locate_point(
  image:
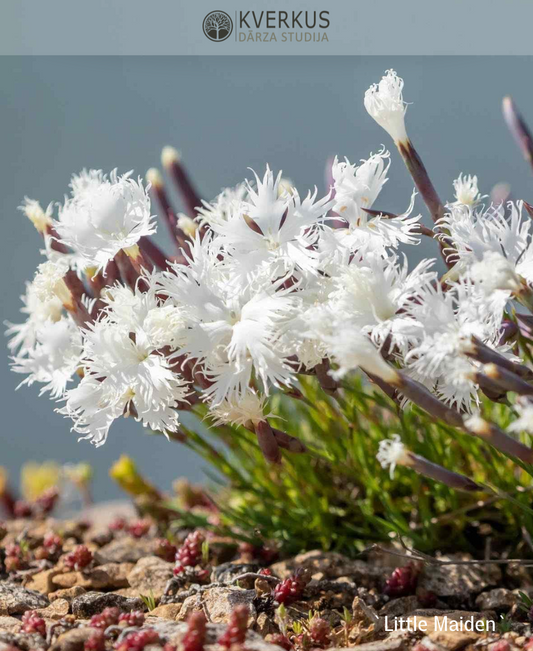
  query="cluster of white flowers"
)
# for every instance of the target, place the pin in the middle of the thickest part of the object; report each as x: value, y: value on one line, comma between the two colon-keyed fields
x: 270, y: 284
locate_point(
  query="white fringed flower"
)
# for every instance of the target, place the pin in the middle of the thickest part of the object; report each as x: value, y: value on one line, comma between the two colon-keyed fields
x: 494, y: 272
x: 356, y: 189
x: 358, y: 301
x: 247, y: 410
x: 104, y: 215
x: 54, y: 357
x: 466, y: 190
x: 372, y: 295
x: 384, y: 102
x: 87, y: 181
x: 236, y: 329
x: 272, y: 228
x: 392, y: 452
x: 498, y: 230
x: 161, y: 324
x: 449, y: 320
x: 350, y: 349
x: 224, y: 205
x: 49, y: 282
x: 38, y: 311
x: 123, y: 375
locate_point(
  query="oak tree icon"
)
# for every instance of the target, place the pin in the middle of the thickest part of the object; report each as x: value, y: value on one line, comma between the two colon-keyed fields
x: 217, y: 26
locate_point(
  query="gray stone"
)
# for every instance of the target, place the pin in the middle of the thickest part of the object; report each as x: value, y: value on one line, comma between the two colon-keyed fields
x: 72, y: 640
x: 330, y: 566
x: 390, y: 644
x: 124, y: 550
x: 56, y: 610
x: 91, y: 603
x: 110, y: 576
x: 10, y: 624
x: 23, y: 641
x: 219, y: 603
x: 15, y: 600
x: 227, y: 572
x: 173, y: 632
x: 499, y: 599
x: 69, y: 593
x: 458, y: 582
x: 151, y: 574
x: 399, y: 607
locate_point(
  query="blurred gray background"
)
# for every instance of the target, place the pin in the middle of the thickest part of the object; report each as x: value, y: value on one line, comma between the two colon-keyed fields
x: 225, y: 114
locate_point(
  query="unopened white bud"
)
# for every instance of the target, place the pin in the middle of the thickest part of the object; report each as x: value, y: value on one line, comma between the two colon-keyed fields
x: 153, y: 176
x: 476, y: 425
x: 169, y: 156
x: 40, y: 218
x: 384, y: 102
x: 286, y: 186
x: 187, y: 225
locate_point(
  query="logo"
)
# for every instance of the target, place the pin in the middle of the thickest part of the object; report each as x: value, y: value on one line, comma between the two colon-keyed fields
x: 217, y: 26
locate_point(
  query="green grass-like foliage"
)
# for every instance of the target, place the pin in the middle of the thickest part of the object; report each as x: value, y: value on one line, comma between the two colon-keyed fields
x: 337, y: 496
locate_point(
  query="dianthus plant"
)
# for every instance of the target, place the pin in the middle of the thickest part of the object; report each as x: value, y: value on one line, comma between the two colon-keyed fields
x: 266, y: 287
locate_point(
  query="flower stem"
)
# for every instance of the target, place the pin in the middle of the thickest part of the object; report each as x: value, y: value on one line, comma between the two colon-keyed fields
x: 518, y: 128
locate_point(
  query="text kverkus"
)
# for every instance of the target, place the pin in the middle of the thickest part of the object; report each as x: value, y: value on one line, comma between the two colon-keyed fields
x: 265, y: 26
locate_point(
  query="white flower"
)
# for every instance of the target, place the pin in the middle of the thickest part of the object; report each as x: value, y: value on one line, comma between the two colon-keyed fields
x: 124, y: 374
x: 165, y: 326
x: 466, y: 190
x: 362, y: 297
x: 224, y: 205
x: 524, y: 422
x: 372, y: 295
x: 474, y: 233
x: 103, y: 216
x: 272, y: 229
x: 384, y: 102
x: 312, y: 298
x: 87, y: 181
x: 54, y: 357
x: 49, y: 283
x: 349, y: 348
x: 357, y: 188
x: 235, y: 329
x: 38, y: 311
x: 392, y: 452
x: 494, y: 272
x: 246, y: 410
x: 159, y: 323
x: 450, y: 319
